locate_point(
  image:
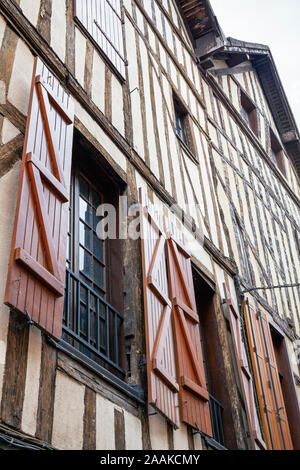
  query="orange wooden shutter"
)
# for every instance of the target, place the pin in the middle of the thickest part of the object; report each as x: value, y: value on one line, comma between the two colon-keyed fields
x: 36, y: 274
x: 193, y: 394
x: 102, y: 20
x: 161, y: 368
x: 244, y: 373
x: 272, y: 407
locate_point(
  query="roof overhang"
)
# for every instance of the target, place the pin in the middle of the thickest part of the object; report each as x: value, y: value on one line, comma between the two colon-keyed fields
x: 211, y: 43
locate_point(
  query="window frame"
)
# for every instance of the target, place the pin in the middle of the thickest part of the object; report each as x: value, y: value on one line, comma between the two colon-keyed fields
x: 249, y: 109
x: 277, y: 153
x: 185, y: 137
x: 80, y: 329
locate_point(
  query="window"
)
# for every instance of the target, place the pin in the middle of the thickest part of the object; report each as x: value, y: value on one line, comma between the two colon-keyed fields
x: 248, y: 111
x: 212, y: 357
x: 218, y: 112
x: 92, y: 321
x: 183, y: 127
x: 277, y: 154
x: 102, y: 21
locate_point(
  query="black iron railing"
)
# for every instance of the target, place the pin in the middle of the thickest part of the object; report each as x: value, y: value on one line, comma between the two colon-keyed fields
x: 216, y: 412
x: 91, y: 324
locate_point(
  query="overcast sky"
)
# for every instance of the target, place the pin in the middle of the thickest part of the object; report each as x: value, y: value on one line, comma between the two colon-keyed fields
x: 275, y: 23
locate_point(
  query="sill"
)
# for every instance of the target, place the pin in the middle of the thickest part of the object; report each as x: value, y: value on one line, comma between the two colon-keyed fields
x: 188, y: 150
x: 132, y: 391
x: 210, y: 441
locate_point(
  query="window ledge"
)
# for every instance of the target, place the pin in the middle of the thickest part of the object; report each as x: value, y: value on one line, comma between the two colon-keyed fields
x: 210, y: 441
x: 132, y: 391
x: 187, y: 149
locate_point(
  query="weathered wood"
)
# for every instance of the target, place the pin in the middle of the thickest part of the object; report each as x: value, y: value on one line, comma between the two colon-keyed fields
x: 46, y: 392
x: 119, y: 423
x: 89, y: 420
x: 15, y: 371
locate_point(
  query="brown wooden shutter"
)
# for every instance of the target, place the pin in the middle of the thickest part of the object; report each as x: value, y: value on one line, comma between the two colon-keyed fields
x: 36, y: 274
x: 102, y: 20
x: 161, y: 368
x: 193, y: 394
x: 272, y: 407
x: 244, y: 373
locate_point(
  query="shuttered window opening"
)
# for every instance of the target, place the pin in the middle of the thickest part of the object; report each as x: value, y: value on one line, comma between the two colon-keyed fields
x: 36, y: 273
x: 271, y: 403
x: 92, y: 321
x: 102, y: 20
x: 174, y: 357
x: 245, y: 377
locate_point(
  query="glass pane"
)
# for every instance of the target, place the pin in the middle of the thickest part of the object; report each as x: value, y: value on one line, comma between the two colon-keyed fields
x: 84, y: 211
x: 84, y: 188
x: 83, y: 320
x: 96, y: 199
x: 85, y: 236
x: 96, y: 219
x: 84, y: 262
x: 97, y: 247
x: 98, y: 277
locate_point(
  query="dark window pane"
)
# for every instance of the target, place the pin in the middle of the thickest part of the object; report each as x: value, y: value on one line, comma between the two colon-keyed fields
x: 98, y: 277
x: 83, y: 320
x: 96, y: 199
x: 84, y: 262
x: 84, y: 188
x: 97, y: 247
x: 85, y: 236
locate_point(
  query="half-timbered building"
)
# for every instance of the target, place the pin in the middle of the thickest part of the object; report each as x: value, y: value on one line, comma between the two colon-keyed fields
x: 187, y: 337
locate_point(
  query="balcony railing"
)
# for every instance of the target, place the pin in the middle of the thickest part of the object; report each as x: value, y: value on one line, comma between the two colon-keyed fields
x: 91, y: 324
x: 216, y: 412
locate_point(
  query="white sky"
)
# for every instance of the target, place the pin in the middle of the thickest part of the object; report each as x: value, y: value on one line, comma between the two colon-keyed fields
x: 275, y: 23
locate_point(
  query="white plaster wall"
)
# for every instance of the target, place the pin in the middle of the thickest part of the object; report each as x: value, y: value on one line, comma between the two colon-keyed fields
x: 30, y: 405
x: 100, y: 135
x: 105, y: 431
x: 30, y: 9
x: 158, y: 432
x: 9, y: 131
x: 133, y: 432
x: 20, y: 82
x: 80, y: 52
x: 58, y: 28
x: 68, y: 413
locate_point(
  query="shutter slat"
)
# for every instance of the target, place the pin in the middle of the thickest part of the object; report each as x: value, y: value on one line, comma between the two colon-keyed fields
x: 36, y: 274
x: 163, y: 386
x: 273, y: 412
x: 245, y: 377
x: 193, y: 394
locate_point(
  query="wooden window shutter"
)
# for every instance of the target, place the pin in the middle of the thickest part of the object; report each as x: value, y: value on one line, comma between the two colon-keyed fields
x: 272, y: 407
x: 102, y: 20
x: 245, y: 376
x: 161, y: 367
x: 193, y: 394
x: 36, y: 273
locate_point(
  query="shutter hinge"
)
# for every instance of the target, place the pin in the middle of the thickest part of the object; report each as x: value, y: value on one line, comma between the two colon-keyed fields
x: 28, y: 317
x: 28, y: 321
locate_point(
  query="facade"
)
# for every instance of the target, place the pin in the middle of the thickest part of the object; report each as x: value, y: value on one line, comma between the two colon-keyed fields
x: 144, y: 108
